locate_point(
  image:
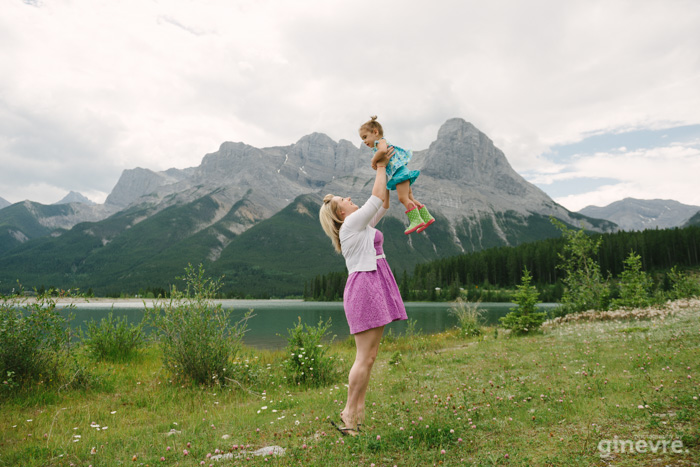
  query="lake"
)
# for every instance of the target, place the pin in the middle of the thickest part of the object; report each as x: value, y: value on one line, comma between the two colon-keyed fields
x: 267, y: 329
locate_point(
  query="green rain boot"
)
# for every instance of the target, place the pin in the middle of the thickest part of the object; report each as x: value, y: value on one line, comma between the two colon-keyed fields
x: 414, y: 219
x: 426, y: 217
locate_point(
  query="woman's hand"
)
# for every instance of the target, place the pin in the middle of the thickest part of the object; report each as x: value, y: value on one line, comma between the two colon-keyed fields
x: 382, y: 159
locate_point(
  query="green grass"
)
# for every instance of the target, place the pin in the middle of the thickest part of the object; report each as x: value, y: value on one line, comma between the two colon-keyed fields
x: 545, y: 399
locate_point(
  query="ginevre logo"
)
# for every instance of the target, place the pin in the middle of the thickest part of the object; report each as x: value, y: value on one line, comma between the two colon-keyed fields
x: 641, y: 446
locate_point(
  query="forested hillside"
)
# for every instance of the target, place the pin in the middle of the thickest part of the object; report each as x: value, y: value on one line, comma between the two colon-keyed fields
x: 503, y: 266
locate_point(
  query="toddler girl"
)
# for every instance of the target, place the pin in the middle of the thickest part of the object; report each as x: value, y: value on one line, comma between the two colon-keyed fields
x: 398, y: 176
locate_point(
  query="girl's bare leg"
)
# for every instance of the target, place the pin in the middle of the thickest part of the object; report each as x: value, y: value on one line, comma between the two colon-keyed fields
x: 410, y: 197
x: 403, y: 189
x: 367, y: 345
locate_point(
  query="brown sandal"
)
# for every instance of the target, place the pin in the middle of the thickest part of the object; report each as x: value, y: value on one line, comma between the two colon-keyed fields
x: 359, y: 425
x: 345, y: 431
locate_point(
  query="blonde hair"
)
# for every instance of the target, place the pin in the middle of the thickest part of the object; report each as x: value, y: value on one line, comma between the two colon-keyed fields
x: 372, y: 124
x: 330, y: 222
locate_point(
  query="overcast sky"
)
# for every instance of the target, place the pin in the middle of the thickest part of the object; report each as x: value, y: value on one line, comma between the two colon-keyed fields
x: 593, y: 101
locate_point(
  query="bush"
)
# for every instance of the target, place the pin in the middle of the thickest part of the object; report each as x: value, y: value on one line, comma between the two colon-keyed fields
x: 682, y: 285
x: 196, y: 336
x: 34, y: 339
x: 525, y: 318
x: 585, y: 288
x: 469, y: 317
x: 113, y: 339
x: 308, y: 363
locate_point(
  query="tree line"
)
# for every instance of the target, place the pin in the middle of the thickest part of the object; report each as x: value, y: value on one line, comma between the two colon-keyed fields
x: 493, y: 274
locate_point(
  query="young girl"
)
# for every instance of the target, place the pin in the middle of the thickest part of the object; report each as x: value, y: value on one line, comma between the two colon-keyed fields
x: 398, y: 176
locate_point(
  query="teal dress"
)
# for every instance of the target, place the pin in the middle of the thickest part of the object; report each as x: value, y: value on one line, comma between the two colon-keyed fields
x: 396, y: 169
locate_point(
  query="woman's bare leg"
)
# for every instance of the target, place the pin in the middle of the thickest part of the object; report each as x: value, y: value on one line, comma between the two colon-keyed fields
x: 367, y: 346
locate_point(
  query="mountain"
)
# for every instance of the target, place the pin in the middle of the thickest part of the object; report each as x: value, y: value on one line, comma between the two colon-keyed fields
x: 27, y: 220
x: 75, y: 197
x: 252, y: 215
x: 695, y: 220
x: 4, y: 203
x: 641, y: 214
x: 139, y: 182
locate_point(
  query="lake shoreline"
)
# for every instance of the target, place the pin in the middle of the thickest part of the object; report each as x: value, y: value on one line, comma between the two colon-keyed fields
x: 101, y: 302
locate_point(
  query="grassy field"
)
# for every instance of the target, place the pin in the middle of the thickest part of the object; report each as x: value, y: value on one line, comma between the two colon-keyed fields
x: 624, y: 392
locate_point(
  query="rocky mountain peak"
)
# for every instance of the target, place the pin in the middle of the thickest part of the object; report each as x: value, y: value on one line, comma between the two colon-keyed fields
x: 458, y: 129
x: 75, y: 197
x: 316, y: 139
x: 135, y: 183
x: 229, y: 158
x: 462, y: 152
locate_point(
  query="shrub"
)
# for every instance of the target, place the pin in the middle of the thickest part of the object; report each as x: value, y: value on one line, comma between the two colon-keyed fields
x: 308, y: 364
x: 585, y: 288
x: 197, y: 338
x: 34, y: 339
x: 682, y: 285
x: 525, y: 318
x: 113, y: 339
x: 635, y: 284
x: 469, y: 317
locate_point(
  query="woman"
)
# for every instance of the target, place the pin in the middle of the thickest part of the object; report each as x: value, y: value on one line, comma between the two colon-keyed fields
x: 371, y: 298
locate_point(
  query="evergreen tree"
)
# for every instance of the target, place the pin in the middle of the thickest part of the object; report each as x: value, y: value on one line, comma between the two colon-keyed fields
x: 635, y: 284
x: 524, y: 318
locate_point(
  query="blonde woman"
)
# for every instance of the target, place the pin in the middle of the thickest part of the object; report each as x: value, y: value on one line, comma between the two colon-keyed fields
x: 371, y: 298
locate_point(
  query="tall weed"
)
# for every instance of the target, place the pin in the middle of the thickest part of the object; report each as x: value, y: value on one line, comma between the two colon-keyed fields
x: 412, y: 329
x: 198, y: 341
x: 308, y: 363
x: 469, y: 317
x: 113, y: 339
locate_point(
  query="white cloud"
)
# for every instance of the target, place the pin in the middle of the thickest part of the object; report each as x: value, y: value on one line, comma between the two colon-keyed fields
x: 655, y: 173
x: 95, y: 86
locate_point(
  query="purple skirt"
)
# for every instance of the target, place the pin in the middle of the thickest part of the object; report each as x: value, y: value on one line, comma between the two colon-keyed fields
x: 371, y: 298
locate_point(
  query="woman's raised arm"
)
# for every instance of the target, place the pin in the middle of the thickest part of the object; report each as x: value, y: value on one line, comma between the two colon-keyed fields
x: 379, y: 188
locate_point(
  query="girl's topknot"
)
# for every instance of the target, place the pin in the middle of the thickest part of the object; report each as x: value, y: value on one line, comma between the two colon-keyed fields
x: 373, y: 124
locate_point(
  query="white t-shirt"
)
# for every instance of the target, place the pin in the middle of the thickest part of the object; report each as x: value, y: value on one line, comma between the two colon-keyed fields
x: 357, y: 236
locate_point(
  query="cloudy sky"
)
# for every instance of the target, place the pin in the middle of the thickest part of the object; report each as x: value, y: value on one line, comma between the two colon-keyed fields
x: 591, y: 100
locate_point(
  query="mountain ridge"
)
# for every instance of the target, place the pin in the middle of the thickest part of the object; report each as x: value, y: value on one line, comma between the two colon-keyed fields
x: 154, y: 223
x: 640, y: 214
